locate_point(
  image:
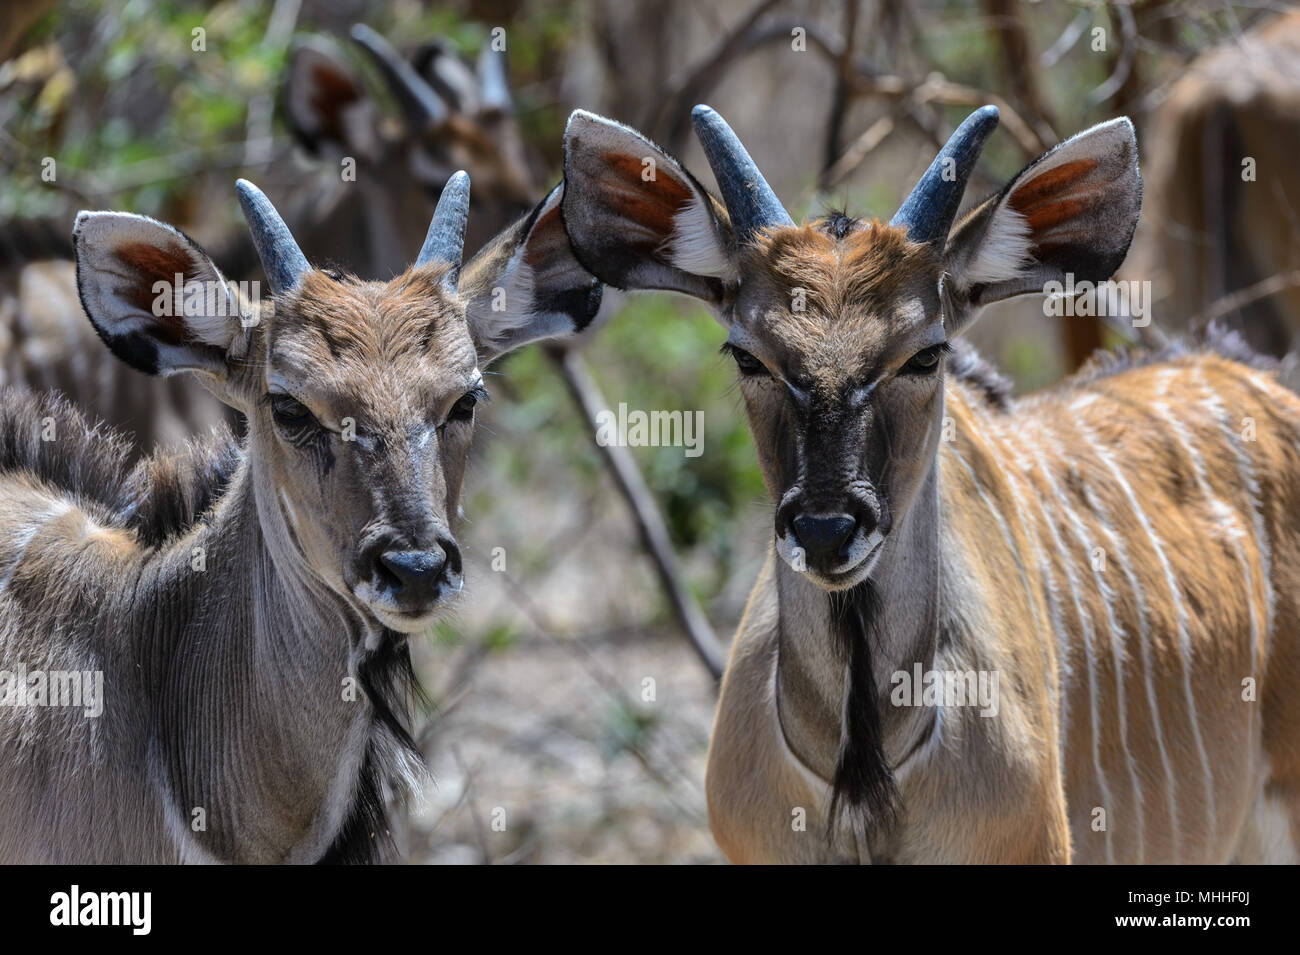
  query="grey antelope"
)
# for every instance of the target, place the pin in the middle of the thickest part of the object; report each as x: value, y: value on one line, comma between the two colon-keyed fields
x: 1119, y: 553
x: 247, y: 607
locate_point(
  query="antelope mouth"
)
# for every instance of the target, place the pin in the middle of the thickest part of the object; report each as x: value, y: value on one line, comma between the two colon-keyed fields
x: 860, y: 557
x: 408, y: 619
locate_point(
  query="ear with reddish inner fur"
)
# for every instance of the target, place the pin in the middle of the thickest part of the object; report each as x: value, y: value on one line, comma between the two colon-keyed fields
x: 126, y: 276
x: 1072, y: 210
x: 526, y: 285
x: 328, y: 108
x: 637, y: 219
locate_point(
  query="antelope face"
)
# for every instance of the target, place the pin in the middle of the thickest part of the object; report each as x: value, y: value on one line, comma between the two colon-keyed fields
x: 839, y: 328
x: 363, y: 427
x: 839, y: 347
x: 359, y: 395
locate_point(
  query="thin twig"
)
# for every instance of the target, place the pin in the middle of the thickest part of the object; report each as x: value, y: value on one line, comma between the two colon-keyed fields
x: 1127, y: 54
x: 670, y: 122
x: 654, y: 533
x: 1248, y: 295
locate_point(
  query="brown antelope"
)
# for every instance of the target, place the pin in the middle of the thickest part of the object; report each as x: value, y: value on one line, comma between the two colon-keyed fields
x: 1117, y: 556
x: 453, y: 117
x: 228, y: 637
x: 1223, y: 198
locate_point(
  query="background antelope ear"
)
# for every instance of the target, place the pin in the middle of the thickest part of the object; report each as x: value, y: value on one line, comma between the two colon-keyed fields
x: 127, y: 268
x: 327, y: 107
x: 1072, y: 210
x: 526, y: 285
x: 438, y: 63
x: 637, y: 219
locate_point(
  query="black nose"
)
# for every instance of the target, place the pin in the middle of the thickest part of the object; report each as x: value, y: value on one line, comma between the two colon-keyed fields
x: 414, y: 573
x: 824, y: 536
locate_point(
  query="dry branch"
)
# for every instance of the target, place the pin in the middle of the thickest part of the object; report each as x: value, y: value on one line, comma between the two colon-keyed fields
x: 650, y: 524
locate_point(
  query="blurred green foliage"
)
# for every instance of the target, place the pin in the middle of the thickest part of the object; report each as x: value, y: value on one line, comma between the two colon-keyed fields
x: 133, y: 114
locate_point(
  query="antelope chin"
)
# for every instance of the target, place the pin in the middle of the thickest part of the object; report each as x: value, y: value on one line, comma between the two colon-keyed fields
x: 407, y: 621
x: 863, y: 554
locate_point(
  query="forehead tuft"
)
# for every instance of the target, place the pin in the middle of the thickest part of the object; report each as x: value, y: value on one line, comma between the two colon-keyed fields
x: 345, y: 334
x: 368, y: 320
x: 843, y: 263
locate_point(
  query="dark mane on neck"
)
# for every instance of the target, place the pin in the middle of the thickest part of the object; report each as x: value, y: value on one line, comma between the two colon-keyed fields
x: 1218, y: 338
x: 390, y: 682
x: 864, y: 782
x: 967, y: 365
x: 162, y: 496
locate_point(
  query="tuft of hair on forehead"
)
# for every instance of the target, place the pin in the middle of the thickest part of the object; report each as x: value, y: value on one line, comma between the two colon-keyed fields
x: 842, y: 261
x: 365, y: 320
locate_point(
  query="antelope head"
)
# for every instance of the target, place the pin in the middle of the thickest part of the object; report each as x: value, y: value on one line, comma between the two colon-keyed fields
x: 839, y: 327
x: 360, y: 396
x: 453, y: 116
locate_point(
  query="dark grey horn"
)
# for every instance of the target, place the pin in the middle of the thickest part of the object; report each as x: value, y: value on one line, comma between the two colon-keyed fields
x: 446, y: 237
x: 282, y: 260
x: 421, y: 103
x: 929, y: 210
x: 750, y: 201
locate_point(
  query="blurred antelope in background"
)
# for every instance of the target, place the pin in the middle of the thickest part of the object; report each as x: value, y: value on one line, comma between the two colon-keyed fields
x: 1222, y: 234
x: 232, y: 607
x: 452, y: 117
x: 1118, y: 552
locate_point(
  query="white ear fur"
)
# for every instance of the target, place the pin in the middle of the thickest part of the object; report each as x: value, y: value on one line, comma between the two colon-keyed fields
x: 526, y: 285
x: 694, y: 245
x: 1004, y: 253
x: 126, y: 275
x: 1074, y: 209
x: 636, y: 218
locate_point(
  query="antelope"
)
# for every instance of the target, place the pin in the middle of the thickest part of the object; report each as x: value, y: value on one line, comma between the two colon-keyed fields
x: 248, y: 607
x: 1117, y: 553
x: 452, y: 117
x: 1224, y: 204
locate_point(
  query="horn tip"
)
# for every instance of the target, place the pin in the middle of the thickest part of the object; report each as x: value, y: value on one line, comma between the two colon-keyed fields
x: 361, y: 33
x: 986, y: 117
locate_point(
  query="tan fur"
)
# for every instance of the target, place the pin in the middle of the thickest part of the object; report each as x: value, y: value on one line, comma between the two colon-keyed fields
x: 973, y: 793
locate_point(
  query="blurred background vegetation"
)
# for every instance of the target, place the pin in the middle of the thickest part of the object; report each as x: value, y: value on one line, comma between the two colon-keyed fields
x: 539, y: 678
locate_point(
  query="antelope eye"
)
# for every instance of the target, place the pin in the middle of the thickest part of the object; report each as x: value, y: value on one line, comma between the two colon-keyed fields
x: 463, y: 409
x: 745, y: 362
x: 926, y: 360
x: 287, y: 410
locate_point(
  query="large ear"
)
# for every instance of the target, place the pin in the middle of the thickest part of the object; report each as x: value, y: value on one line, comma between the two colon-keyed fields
x: 327, y: 107
x: 637, y: 219
x: 1072, y: 210
x: 127, y: 269
x: 526, y: 284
